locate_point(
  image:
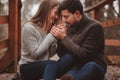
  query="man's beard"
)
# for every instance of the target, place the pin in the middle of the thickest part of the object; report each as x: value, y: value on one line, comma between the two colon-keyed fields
x: 75, y: 24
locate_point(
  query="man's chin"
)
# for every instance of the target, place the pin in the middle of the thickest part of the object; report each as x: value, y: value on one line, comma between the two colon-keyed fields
x: 68, y: 25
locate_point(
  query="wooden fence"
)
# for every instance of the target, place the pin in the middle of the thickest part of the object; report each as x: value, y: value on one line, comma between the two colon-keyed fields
x: 9, y: 61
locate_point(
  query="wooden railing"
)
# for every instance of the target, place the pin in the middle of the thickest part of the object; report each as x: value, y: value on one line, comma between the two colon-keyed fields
x: 109, y: 23
x: 3, y: 44
x: 112, y: 22
x: 3, y: 19
x: 110, y: 42
x: 9, y: 61
x: 95, y: 8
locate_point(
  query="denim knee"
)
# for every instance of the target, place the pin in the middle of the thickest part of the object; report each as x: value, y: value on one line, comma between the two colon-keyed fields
x: 52, y: 65
x: 67, y: 57
x: 89, y: 71
x: 95, y: 66
x: 97, y: 70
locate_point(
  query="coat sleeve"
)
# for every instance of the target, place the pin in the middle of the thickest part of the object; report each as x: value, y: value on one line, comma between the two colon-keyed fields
x: 93, y: 40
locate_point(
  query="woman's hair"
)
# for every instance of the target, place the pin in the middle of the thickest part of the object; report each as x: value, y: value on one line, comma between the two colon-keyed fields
x: 42, y: 17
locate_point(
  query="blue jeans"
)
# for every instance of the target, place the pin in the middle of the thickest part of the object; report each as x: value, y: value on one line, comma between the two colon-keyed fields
x: 33, y: 71
x: 57, y: 69
x: 90, y: 71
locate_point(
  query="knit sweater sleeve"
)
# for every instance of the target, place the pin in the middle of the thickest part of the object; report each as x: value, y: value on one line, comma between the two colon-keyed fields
x: 34, y: 43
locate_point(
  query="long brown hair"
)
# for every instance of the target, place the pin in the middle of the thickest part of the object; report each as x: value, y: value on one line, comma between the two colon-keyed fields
x: 42, y: 18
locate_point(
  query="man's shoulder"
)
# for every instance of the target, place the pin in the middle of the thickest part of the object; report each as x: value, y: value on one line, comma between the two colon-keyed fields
x: 94, y: 22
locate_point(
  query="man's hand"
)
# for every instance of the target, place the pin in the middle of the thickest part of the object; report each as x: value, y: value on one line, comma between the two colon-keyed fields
x: 59, y: 31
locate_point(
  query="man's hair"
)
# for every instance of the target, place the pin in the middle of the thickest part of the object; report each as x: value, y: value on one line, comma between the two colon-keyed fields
x: 71, y: 6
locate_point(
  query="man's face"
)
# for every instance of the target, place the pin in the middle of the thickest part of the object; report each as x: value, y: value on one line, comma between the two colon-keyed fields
x: 68, y: 17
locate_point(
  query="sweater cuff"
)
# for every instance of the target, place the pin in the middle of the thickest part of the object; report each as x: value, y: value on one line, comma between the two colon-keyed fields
x: 51, y: 37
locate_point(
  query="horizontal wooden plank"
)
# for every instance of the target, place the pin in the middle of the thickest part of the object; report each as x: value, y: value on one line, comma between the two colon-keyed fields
x: 111, y: 23
x: 112, y: 50
x: 5, y: 61
x: 112, y: 42
x: 3, y: 19
x: 117, y: 21
x: 100, y: 4
x: 3, y: 44
x: 113, y: 59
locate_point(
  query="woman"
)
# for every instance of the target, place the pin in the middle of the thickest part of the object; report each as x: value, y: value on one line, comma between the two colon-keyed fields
x: 38, y: 44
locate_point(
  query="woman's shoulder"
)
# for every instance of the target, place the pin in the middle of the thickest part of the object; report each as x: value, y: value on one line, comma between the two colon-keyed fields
x: 29, y: 26
x: 32, y: 27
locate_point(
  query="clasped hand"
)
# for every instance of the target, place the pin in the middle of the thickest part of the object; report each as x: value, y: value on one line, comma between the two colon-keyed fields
x: 59, y: 31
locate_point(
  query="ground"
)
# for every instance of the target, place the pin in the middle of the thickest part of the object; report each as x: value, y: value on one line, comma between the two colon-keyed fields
x: 113, y: 70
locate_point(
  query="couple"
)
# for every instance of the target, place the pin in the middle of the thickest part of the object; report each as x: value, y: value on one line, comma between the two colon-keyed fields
x: 79, y: 44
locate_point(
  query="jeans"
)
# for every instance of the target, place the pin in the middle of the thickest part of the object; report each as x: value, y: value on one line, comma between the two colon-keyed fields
x: 90, y: 71
x: 57, y: 69
x: 33, y: 71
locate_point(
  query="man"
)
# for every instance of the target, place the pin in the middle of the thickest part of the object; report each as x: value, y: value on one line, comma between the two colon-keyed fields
x: 84, y: 40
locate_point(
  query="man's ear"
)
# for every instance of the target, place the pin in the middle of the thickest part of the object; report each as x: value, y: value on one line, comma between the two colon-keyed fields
x: 77, y: 13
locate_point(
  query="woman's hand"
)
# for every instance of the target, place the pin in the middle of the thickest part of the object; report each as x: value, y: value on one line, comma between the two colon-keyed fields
x: 59, y: 31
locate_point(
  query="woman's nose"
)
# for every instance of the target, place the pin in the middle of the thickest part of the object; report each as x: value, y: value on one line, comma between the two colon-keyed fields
x: 56, y: 16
